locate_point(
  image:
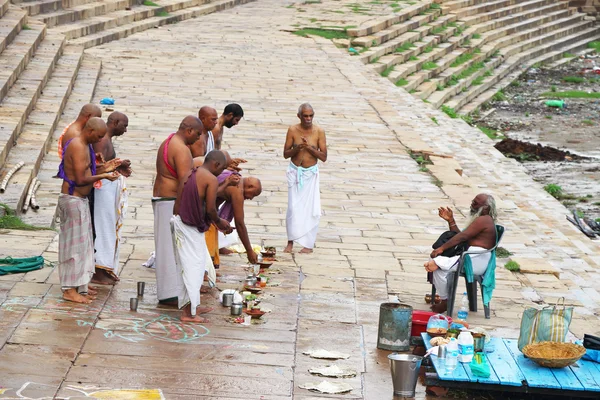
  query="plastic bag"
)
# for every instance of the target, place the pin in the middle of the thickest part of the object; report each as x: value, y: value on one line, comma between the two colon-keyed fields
x: 479, y: 366
x: 438, y: 321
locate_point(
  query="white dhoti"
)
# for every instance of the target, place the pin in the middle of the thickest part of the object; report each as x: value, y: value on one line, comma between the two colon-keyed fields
x: 75, y: 243
x: 110, y: 207
x: 193, y: 259
x: 449, y: 264
x: 304, y: 205
x: 228, y: 240
x: 168, y: 281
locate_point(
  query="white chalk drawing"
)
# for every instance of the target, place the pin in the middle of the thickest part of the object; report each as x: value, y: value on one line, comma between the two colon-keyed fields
x: 93, y: 392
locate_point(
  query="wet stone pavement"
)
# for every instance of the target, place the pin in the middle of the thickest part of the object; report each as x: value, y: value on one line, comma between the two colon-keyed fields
x: 379, y: 220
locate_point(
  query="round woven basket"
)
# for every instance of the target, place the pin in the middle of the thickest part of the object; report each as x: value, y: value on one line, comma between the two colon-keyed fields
x: 554, y: 354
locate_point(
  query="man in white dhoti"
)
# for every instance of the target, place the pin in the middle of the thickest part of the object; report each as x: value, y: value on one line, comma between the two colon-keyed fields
x: 480, y: 235
x: 173, y: 162
x: 195, y: 210
x: 75, y: 241
x: 110, y: 205
x: 305, y: 144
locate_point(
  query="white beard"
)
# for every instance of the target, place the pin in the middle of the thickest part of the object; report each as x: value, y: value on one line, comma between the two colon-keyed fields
x: 473, y: 216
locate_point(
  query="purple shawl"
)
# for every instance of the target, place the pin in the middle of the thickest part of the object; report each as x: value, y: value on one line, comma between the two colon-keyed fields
x: 226, y: 210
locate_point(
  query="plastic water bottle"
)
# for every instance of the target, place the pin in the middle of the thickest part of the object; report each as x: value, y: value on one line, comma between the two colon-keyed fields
x: 451, y: 355
x: 465, y: 347
x: 463, y: 313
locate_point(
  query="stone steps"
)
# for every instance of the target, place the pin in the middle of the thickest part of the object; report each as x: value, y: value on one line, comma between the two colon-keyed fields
x: 47, y: 6
x: 394, y: 31
x: 115, y: 19
x: 546, y: 57
x: 382, y: 23
x: 36, y: 134
x: 83, y: 11
x: 506, y: 11
x: 24, y: 93
x: 483, y: 7
x: 4, y: 6
x: 82, y: 93
x: 12, y: 23
x: 523, y: 52
x: 123, y: 31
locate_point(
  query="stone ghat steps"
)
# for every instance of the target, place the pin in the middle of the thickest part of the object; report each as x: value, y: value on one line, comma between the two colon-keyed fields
x: 119, y: 18
x: 31, y: 145
x: 551, y: 56
x: 123, y: 31
x: 542, y: 50
x: 47, y: 6
x: 12, y: 23
x: 65, y: 16
x: 4, y: 6
x: 47, y: 195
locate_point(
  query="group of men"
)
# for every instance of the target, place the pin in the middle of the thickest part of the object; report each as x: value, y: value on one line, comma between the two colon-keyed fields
x: 198, y: 197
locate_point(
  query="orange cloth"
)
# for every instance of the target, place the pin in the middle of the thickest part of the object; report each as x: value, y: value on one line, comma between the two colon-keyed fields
x: 212, y: 243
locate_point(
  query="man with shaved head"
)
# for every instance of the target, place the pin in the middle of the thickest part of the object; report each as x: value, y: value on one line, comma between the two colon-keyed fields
x: 206, y: 143
x: 195, y: 209
x: 75, y: 242
x: 479, y: 235
x: 173, y: 163
x: 305, y: 145
x: 74, y: 128
x: 110, y: 205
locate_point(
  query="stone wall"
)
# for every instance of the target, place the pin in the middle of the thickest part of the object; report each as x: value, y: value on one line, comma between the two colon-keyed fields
x: 590, y: 7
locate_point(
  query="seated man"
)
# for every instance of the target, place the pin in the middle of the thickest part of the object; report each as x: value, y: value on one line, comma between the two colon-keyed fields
x: 480, y: 235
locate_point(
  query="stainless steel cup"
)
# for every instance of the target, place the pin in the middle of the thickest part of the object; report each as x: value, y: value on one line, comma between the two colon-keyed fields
x: 478, y: 343
x: 133, y: 303
x: 140, y: 287
x: 227, y: 299
x: 236, y: 309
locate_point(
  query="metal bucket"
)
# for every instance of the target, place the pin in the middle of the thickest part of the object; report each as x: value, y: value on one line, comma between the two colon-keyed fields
x: 395, y: 322
x: 405, y: 372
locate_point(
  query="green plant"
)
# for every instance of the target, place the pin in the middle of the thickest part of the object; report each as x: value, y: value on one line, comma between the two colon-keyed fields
x: 501, y: 252
x: 537, y: 65
x: 405, y: 46
x: 489, y: 132
x: 580, y: 213
x: 26, y: 27
x: 428, y: 49
x: 476, y: 36
x: 568, y: 55
x: 588, y: 122
x: 499, y: 96
x: 373, y: 61
x: 401, y: 82
x: 553, y: 88
x: 440, y: 87
x: 161, y: 13
x: 387, y: 71
x: 324, y: 33
x: 512, y: 266
x: 411, y: 91
x: 413, y: 58
x: 463, y: 58
x: 434, y: 119
x: 11, y: 221
x: 515, y: 84
x: 589, y: 196
x: 449, y: 111
x: 554, y: 190
x: 573, y: 79
x: 434, y: 6
x: 429, y: 65
x: 548, y: 116
x: 478, y: 81
x: 572, y: 94
x: 439, y: 29
x: 150, y: 3
x: 437, y: 182
x: 595, y: 46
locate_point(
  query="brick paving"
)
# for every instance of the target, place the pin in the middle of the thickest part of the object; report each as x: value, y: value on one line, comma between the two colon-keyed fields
x: 379, y: 220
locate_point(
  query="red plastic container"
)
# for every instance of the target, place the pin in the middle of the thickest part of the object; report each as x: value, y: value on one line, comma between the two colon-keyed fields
x: 420, y: 320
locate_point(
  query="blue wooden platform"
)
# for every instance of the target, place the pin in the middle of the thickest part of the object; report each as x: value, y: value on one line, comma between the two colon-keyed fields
x: 512, y: 371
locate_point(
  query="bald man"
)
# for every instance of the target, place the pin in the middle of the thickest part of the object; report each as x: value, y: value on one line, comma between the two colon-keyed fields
x: 173, y: 163
x: 75, y: 242
x: 206, y: 144
x: 110, y: 205
x: 74, y: 128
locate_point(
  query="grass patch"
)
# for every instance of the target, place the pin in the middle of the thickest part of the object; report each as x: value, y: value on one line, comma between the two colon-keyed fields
x: 452, y: 81
x: 413, y: 58
x: 588, y: 122
x: 25, y: 27
x: 324, y: 33
x: 429, y: 65
x: 462, y: 59
x: 512, y: 266
x: 150, y: 3
x: 553, y: 88
x: 471, y: 70
x: 501, y: 252
x: 499, y: 96
x: 572, y: 94
x: 554, y: 190
x: 11, y: 221
x: 401, y: 82
x: 439, y: 29
x: 373, y: 61
x: 161, y: 13
x: 387, y: 71
x: 449, y: 111
x: 411, y: 91
x: 428, y: 49
x: 478, y: 81
x: 573, y: 79
x: 515, y: 84
x: 568, y: 55
x: 491, y: 133
x: 404, y: 47
x: 434, y: 119
x: 434, y: 6
x: 476, y: 36
x: 595, y: 46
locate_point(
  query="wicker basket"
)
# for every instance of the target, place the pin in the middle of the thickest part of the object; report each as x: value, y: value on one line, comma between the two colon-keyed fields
x: 554, y: 354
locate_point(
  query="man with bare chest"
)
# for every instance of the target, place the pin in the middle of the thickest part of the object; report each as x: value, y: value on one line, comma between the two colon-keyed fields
x: 305, y: 144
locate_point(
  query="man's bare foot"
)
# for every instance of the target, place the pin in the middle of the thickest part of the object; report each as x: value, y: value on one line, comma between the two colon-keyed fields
x: 102, y: 277
x: 306, y: 251
x: 204, y: 289
x: 203, y: 310
x: 196, y: 319
x: 289, y: 247
x: 72, y: 295
x: 92, y: 291
x: 225, y: 251
x: 90, y: 296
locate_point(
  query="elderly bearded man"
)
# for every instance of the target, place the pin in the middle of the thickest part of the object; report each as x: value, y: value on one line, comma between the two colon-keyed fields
x: 480, y: 235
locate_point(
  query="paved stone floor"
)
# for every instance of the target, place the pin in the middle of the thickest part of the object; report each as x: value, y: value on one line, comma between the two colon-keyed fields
x: 379, y: 220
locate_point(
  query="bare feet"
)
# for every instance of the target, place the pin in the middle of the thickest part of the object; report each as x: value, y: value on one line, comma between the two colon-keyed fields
x: 306, y: 251
x: 225, y: 251
x: 441, y: 307
x: 203, y: 310
x: 204, y: 289
x: 92, y: 291
x: 72, y: 295
x: 289, y: 247
x: 103, y: 277
x: 187, y: 316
